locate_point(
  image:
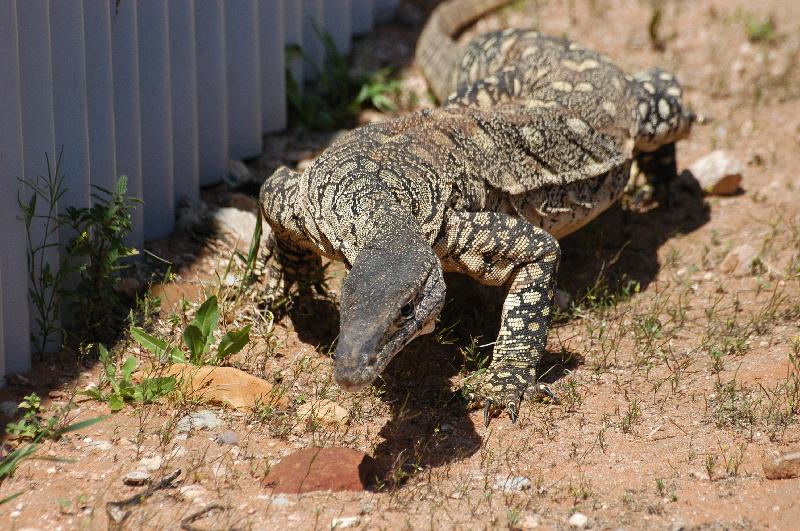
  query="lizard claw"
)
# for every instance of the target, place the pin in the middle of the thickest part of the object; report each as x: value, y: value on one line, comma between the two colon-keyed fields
x: 541, y: 389
x: 513, y: 411
x: 487, y: 407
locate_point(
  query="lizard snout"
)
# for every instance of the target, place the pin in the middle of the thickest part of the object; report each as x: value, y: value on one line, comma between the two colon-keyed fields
x: 354, y: 364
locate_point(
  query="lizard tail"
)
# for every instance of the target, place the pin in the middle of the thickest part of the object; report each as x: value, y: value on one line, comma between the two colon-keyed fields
x: 437, y: 52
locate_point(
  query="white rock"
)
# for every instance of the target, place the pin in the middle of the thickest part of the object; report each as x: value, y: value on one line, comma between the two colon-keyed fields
x: 227, y: 437
x: 100, y: 446
x: 344, y: 522
x: 578, y: 520
x: 136, y: 478
x: 199, y: 420
x: 193, y: 493
x: 281, y: 500
x: 718, y: 173
x: 512, y: 483
x: 529, y: 521
x: 151, y: 463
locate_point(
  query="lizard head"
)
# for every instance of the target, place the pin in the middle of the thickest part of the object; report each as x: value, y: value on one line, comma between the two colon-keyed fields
x: 662, y: 116
x: 393, y: 293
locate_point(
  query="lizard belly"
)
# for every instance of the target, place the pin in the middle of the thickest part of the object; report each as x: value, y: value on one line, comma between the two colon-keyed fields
x: 562, y: 210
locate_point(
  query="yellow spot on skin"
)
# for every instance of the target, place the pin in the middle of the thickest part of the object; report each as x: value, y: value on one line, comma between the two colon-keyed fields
x: 578, y: 125
x: 663, y: 108
x: 586, y: 64
x: 484, y: 100
x: 584, y: 87
x: 609, y: 107
x: 649, y: 87
x: 644, y: 109
x: 531, y: 297
x: 674, y: 91
x: 534, y: 326
x: 562, y: 86
x: 665, y: 76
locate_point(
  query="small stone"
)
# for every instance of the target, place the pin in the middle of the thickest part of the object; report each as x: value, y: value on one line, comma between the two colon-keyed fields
x: 320, y: 469
x: 15, y: 514
x: 578, y: 520
x: 563, y: 300
x: 238, y: 173
x: 718, y: 173
x: 100, y: 446
x: 786, y: 466
x: 193, y: 493
x: 529, y: 521
x: 281, y: 500
x: 345, y: 522
x: 240, y: 224
x: 325, y: 411
x: 8, y: 408
x: 136, y: 478
x: 512, y: 483
x: 739, y: 261
x: 227, y: 437
x: 198, y: 420
x: 151, y: 463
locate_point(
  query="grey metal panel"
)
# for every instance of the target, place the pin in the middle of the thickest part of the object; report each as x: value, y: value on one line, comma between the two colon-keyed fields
x: 15, y: 355
x: 244, y: 78
x: 313, y: 50
x: 293, y: 35
x: 337, y: 24
x: 125, y: 54
x: 183, y: 73
x: 273, y: 75
x: 212, y: 117
x: 36, y: 89
x: 362, y: 16
x: 99, y: 93
x: 156, y: 107
x: 70, y: 112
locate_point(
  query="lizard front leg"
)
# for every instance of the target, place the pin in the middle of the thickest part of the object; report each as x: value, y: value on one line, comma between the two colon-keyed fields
x: 498, y: 249
x: 291, y: 265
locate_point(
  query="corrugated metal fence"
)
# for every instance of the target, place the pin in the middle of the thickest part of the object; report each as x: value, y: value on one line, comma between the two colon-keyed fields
x: 165, y: 92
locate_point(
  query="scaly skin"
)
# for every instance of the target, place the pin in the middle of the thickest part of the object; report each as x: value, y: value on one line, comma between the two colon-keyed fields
x: 536, y: 140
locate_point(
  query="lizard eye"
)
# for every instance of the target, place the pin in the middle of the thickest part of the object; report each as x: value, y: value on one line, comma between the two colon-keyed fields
x: 407, y: 310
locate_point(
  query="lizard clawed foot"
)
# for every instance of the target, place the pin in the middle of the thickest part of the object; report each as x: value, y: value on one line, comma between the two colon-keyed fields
x: 496, y: 391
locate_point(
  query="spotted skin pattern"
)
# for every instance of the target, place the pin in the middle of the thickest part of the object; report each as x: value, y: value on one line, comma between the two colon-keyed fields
x: 535, y: 140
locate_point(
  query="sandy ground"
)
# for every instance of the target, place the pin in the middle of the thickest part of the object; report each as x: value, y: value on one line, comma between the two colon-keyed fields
x: 677, y: 379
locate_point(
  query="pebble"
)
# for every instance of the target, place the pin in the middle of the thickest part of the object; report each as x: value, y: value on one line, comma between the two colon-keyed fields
x: 193, y: 493
x: 239, y: 223
x: 281, y: 500
x: 512, y: 483
x: 739, y: 261
x: 345, y: 521
x: 786, y: 466
x: 325, y: 411
x: 8, y: 408
x: 151, y: 463
x: 719, y: 173
x: 578, y: 520
x: 227, y: 437
x: 100, y: 446
x: 136, y: 478
x: 198, y: 420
